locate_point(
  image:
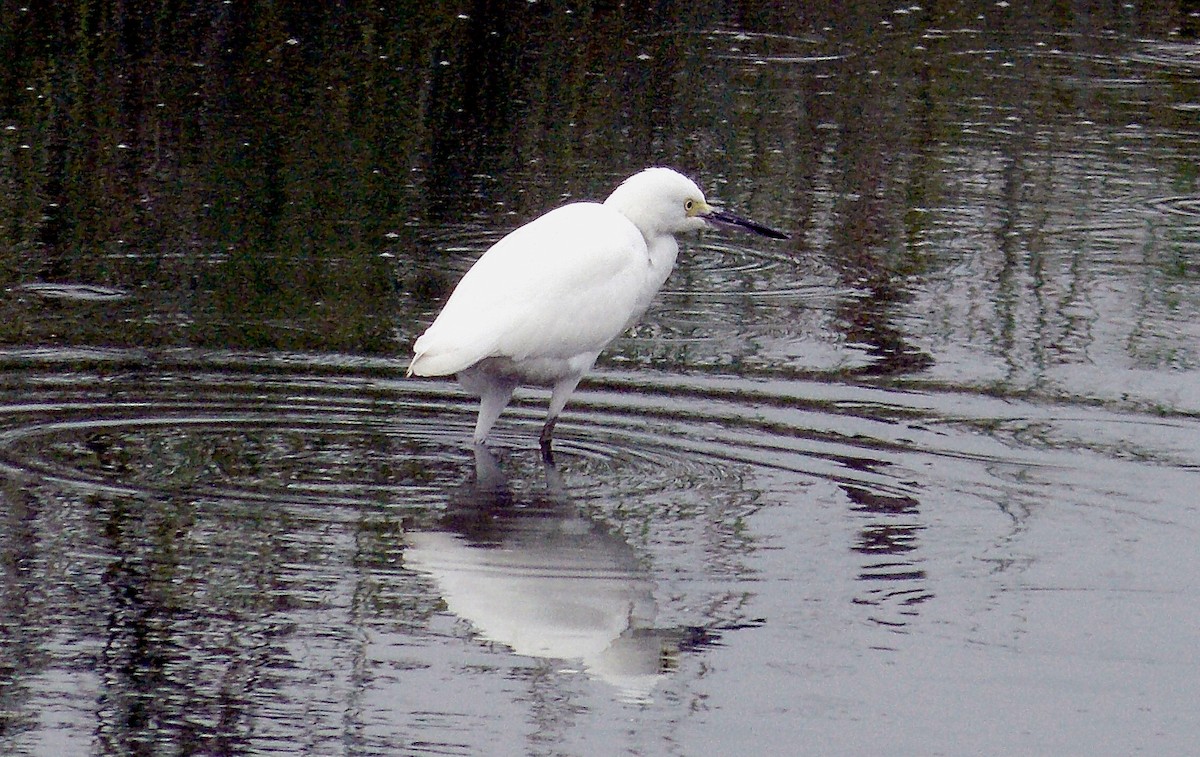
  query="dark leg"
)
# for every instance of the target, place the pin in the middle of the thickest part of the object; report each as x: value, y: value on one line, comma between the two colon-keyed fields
x: 544, y: 441
x: 558, y: 400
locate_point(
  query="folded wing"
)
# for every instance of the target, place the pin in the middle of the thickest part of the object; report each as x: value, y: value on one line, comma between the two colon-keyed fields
x: 563, y: 285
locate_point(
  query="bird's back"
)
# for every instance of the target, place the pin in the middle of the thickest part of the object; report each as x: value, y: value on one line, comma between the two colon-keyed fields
x: 563, y: 285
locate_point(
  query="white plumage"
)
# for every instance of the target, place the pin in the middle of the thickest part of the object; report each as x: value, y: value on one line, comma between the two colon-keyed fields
x: 542, y: 303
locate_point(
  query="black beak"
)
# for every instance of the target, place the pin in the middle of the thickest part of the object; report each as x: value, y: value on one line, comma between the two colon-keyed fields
x: 729, y: 219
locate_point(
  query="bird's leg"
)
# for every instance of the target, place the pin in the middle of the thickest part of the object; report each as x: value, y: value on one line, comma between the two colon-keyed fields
x: 558, y: 400
x: 494, y: 395
x: 545, y: 439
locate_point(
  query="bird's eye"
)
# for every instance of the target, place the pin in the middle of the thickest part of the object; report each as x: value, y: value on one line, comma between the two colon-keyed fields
x: 689, y: 205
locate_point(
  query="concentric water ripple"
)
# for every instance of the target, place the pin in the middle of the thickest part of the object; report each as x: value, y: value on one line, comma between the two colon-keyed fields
x: 217, y: 430
x: 673, y: 466
x: 673, y: 463
x: 357, y: 490
x: 718, y: 268
x: 211, y: 432
x: 1185, y: 206
x: 350, y: 431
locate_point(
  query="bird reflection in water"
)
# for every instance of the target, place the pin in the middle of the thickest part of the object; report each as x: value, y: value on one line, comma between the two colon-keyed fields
x: 535, y: 573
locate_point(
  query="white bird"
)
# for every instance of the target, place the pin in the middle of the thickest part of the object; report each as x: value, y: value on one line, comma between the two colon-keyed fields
x: 542, y: 303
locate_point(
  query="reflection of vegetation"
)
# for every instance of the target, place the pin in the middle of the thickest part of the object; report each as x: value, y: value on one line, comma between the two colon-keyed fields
x: 288, y: 176
x: 238, y: 168
x: 243, y: 167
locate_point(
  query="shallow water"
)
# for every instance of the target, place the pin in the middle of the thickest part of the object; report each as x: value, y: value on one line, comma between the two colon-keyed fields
x: 921, y: 480
x: 246, y: 553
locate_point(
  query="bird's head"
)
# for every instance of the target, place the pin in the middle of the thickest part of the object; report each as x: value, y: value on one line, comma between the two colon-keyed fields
x: 664, y: 201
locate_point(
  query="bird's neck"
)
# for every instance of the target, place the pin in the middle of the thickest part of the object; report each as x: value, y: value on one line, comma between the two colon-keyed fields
x: 662, y: 253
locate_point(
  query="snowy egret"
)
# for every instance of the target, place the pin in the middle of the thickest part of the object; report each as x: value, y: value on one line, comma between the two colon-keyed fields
x: 542, y: 303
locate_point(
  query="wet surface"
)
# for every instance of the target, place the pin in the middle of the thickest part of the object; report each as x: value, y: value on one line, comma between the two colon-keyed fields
x: 253, y: 552
x: 920, y: 481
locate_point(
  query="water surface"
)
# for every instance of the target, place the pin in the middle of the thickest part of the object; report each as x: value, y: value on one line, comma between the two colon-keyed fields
x: 919, y: 481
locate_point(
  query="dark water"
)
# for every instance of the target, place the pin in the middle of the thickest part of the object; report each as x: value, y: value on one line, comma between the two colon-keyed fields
x: 922, y: 480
